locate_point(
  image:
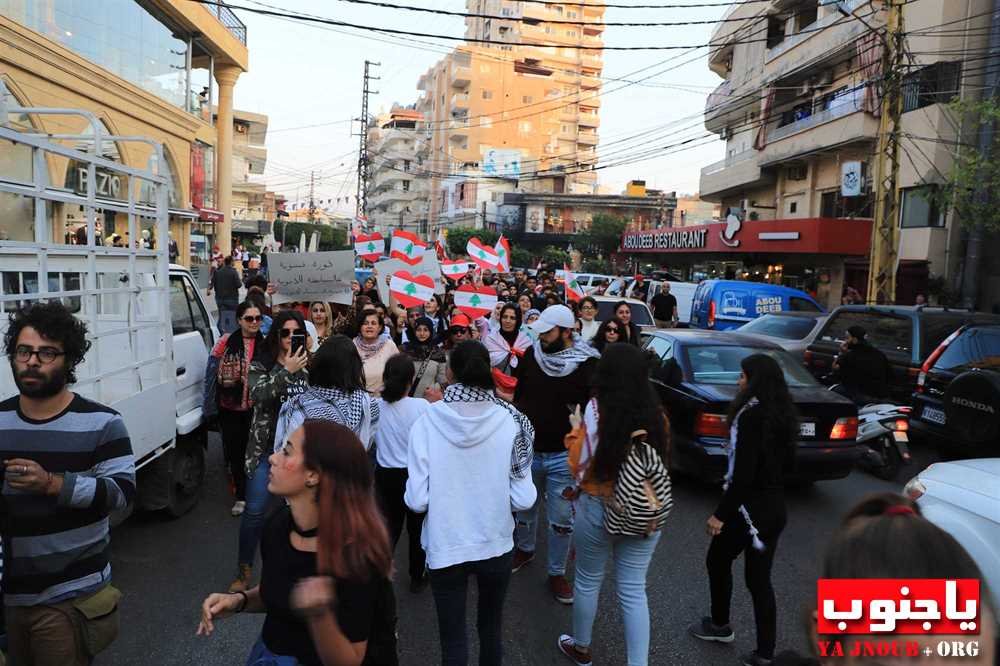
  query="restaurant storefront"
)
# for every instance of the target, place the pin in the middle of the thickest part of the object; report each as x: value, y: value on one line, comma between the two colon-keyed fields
x: 812, y: 254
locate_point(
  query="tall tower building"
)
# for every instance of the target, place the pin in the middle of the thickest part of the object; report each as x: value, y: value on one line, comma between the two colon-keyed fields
x: 521, y: 112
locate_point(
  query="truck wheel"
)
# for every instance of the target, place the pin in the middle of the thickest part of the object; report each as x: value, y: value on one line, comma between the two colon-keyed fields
x: 970, y: 404
x: 187, y: 474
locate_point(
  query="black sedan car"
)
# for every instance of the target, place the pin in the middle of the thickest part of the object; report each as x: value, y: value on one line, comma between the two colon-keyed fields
x: 697, y: 380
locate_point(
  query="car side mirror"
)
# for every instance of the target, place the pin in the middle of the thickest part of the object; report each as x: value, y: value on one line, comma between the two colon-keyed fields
x: 669, y: 373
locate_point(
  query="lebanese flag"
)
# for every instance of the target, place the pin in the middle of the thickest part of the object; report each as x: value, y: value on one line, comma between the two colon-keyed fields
x: 411, y: 290
x: 441, y: 245
x: 502, y: 248
x: 454, y: 270
x: 369, y: 246
x: 574, y: 292
x: 475, y: 301
x: 407, y: 247
x: 484, y: 255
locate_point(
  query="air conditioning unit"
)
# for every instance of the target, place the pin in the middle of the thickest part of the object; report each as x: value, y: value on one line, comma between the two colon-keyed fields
x: 796, y: 172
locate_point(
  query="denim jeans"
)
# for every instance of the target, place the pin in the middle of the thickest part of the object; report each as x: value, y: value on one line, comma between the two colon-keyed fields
x: 261, y: 656
x: 552, y: 477
x: 252, y: 521
x: 631, y: 556
x: 450, y: 589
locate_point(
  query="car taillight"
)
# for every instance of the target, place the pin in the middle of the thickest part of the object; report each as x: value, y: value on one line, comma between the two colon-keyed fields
x: 914, y: 489
x: 932, y: 359
x: 807, y: 358
x: 902, y: 425
x: 711, y: 425
x: 846, y: 427
x: 921, y: 380
x: 711, y: 314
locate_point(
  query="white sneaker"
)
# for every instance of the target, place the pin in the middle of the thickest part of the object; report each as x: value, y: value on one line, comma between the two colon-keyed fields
x: 238, y: 508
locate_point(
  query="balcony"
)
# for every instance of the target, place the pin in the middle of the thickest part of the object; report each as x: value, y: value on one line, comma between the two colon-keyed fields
x: 587, y: 137
x: 592, y: 61
x: 724, y: 107
x: 461, y: 70
x: 228, y: 19
x: 588, y: 82
x: 838, y: 125
x: 828, y: 39
x: 394, y: 194
x: 589, y: 119
x: 460, y: 103
x: 733, y: 172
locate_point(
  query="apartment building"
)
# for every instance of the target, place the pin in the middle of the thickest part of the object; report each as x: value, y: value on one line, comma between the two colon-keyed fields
x: 398, y: 147
x: 798, y: 109
x: 526, y: 107
x: 253, y: 208
x: 155, y: 69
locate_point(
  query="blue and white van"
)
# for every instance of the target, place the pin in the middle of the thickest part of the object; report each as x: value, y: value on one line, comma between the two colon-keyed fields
x: 723, y: 305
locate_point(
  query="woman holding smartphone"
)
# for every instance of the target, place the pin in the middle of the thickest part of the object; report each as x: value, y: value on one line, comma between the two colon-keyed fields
x: 274, y: 378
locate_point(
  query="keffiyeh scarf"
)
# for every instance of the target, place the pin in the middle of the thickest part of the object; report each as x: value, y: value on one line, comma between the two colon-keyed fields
x: 564, y: 362
x: 326, y: 404
x: 522, y: 453
x: 734, y: 431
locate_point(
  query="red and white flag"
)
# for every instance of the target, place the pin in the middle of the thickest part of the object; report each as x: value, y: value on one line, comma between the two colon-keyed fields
x: 574, y: 292
x: 455, y: 270
x: 441, y: 245
x: 409, y: 290
x: 475, y: 301
x: 369, y: 246
x: 502, y: 248
x: 484, y: 255
x: 407, y: 247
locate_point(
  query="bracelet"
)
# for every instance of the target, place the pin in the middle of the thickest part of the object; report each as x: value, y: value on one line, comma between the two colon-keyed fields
x: 243, y: 605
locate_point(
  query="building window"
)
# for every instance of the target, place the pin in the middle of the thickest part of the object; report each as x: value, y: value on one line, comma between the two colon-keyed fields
x: 919, y: 208
x: 524, y: 127
x: 571, y: 33
x: 934, y: 84
x: 406, y: 165
x: 487, y: 94
x: 793, y: 207
x: 833, y: 205
x: 406, y: 186
x: 526, y: 99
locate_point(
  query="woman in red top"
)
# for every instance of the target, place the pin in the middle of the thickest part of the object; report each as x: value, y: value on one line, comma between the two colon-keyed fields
x: 234, y: 352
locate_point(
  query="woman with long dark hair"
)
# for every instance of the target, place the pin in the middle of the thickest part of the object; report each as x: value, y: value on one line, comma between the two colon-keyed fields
x: 398, y: 412
x: 633, y: 334
x: 506, y: 344
x: 763, y: 430
x: 326, y: 559
x: 611, y: 331
x: 228, y: 374
x: 469, y: 466
x: 625, y: 404
x: 275, y: 376
x: 428, y: 358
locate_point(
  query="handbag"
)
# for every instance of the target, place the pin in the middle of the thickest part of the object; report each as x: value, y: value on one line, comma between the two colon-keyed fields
x: 641, y: 500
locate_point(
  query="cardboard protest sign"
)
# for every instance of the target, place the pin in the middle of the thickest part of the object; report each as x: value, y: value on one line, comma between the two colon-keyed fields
x: 312, y: 276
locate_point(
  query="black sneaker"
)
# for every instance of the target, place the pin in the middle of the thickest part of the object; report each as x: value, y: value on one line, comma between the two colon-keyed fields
x: 754, y: 659
x: 707, y: 631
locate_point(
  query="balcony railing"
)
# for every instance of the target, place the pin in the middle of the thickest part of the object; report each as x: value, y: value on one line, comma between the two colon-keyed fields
x: 232, y: 23
x: 792, y: 41
x: 730, y: 160
x: 839, y: 107
x: 722, y: 94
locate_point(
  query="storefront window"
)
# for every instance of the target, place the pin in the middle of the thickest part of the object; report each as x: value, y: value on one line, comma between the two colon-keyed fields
x: 202, y: 175
x: 16, y: 212
x: 119, y: 35
x: 147, y: 193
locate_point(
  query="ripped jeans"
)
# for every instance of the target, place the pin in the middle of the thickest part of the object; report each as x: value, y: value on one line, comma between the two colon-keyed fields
x: 550, y: 472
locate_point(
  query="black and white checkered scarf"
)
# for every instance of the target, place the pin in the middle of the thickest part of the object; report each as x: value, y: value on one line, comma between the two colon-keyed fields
x: 523, y: 451
x: 326, y: 404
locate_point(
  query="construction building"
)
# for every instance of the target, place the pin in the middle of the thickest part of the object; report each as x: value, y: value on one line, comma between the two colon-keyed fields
x: 153, y: 69
x: 798, y: 109
x: 501, y: 115
x: 398, y: 146
x: 253, y: 208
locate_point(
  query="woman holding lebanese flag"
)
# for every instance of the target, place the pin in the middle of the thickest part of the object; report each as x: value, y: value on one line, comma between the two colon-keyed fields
x: 506, y: 344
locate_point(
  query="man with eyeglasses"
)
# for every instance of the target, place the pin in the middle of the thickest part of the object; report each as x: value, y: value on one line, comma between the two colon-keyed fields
x: 67, y: 465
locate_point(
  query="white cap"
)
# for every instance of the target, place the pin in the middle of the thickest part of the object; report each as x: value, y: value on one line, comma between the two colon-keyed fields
x: 552, y: 316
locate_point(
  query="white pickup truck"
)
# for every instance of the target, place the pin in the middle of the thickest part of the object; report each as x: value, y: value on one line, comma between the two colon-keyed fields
x: 148, y: 323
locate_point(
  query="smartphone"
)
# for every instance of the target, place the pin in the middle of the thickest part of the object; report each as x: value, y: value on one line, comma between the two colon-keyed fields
x: 298, y: 342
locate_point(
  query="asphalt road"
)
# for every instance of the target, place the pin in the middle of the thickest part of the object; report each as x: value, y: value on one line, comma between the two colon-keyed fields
x: 166, y: 568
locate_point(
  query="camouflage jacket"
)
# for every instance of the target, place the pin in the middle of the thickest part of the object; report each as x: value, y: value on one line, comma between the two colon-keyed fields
x: 269, y: 389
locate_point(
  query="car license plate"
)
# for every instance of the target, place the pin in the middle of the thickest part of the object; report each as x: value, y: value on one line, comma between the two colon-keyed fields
x: 900, y: 436
x: 807, y: 429
x: 934, y: 415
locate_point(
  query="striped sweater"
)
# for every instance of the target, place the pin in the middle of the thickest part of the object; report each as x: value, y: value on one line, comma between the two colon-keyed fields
x: 56, y: 548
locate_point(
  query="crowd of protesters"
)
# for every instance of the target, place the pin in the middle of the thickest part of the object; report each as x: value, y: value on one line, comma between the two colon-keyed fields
x: 343, y: 426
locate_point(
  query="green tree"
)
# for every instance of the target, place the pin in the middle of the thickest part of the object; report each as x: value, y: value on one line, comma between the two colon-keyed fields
x: 974, y: 180
x: 330, y: 238
x: 555, y: 257
x: 458, y: 239
x: 602, y: 266
x: 520, y: 257
x: 605, y: 234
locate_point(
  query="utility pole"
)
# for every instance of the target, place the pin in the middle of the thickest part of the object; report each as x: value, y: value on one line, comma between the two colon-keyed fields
x: 364, y: 166
x: 484, y: 215
x: 884, y: 257
x: 312, y: 197
x: 974, y: 242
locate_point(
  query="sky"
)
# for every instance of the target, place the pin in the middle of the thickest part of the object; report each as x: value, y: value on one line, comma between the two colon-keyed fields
x: 307, y: 79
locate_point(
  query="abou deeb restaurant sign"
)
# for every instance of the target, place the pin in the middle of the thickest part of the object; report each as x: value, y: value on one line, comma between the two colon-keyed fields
x: 670, y: 240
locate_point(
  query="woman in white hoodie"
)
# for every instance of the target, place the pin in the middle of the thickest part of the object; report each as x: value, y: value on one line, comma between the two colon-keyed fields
x: 469, y: 468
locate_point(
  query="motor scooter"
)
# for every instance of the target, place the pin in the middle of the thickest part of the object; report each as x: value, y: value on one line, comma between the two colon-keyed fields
x: 883, y: 429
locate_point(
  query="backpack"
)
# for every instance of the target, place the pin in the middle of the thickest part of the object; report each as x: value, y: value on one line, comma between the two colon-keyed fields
x: 641, y: 501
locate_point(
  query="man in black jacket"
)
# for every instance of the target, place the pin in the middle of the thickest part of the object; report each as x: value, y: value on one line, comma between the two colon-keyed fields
x: 862, y: 369
x: 553, y: 378
x: 226, y: 283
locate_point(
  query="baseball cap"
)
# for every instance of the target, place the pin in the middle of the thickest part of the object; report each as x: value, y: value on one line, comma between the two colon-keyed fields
x: 552, y: 316
x: 461, y: 320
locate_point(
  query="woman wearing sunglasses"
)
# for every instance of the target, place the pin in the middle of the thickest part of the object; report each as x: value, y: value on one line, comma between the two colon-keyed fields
x: 228, y: 393
x: 275, y: 376
x: 612, y: 331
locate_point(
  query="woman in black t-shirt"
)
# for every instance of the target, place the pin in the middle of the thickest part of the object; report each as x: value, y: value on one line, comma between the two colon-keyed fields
x: 331, y: 526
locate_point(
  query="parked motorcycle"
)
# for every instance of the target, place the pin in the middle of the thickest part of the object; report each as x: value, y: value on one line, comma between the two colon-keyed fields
x: 883, y: 428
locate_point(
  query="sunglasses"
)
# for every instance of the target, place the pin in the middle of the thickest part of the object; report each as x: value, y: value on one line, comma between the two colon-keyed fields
x: 251, y: 318
x: 285, y: 332
x: 458, y: 331
x: 611, y: 330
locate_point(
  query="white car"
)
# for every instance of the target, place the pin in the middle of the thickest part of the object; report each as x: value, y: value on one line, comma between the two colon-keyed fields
x: 963, y: 499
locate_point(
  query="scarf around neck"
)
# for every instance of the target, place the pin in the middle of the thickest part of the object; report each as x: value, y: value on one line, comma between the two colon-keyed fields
x: 523, y: 451
x: 566, y: 361
x: 369, y: 349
